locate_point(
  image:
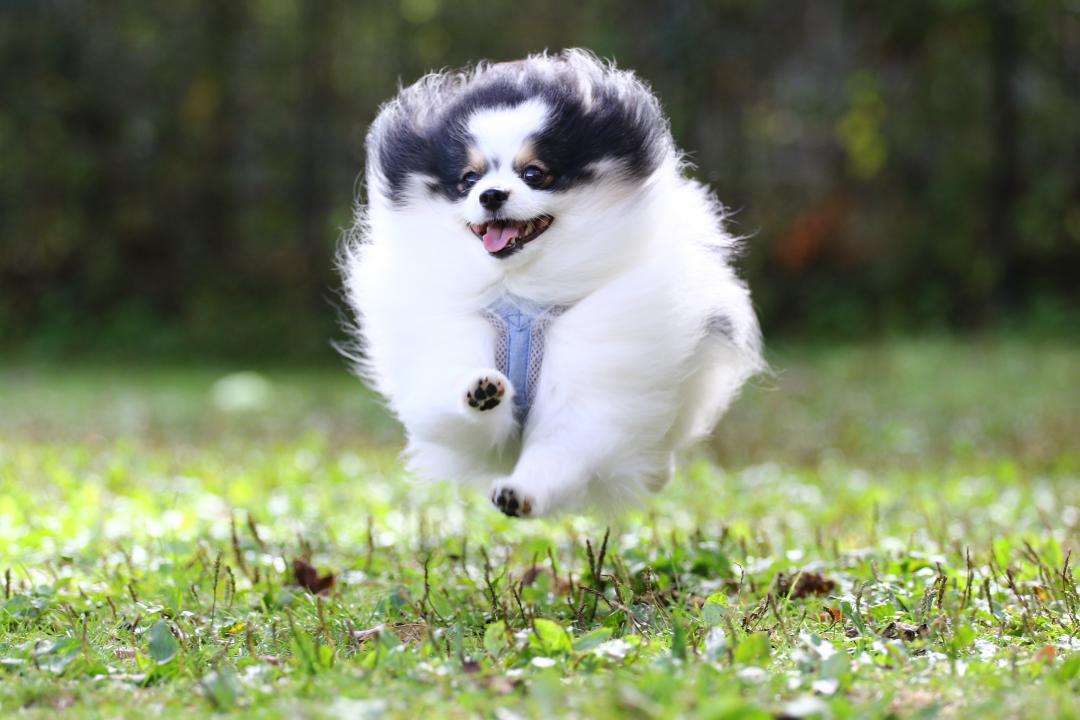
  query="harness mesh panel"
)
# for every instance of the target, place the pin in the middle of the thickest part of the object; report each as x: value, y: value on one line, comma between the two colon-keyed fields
x: 502, y: 341
x: 536, y: 348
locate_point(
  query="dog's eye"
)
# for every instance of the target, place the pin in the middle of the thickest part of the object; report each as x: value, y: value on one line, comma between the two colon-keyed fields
x: 469, y: 179
x: 533, y: 176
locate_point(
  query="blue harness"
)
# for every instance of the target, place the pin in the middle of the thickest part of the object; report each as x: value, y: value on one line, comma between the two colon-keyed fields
x: 519, y: 345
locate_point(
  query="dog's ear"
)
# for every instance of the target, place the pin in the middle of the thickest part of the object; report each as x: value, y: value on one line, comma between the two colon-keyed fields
x: 397, y: 151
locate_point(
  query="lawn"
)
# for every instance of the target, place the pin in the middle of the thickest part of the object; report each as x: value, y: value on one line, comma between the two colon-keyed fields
x: 876, y: 531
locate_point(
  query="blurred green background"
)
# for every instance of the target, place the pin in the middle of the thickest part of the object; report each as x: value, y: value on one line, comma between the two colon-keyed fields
x: 174, y: 177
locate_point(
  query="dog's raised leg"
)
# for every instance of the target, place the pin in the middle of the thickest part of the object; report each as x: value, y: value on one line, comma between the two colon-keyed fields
x: 546, y: 478
x: 486, y: 406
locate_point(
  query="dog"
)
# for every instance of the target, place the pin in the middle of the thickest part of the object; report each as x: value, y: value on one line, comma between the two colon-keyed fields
x: 542, y: 295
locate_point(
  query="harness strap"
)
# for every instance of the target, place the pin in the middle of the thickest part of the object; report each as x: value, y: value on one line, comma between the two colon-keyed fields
x: 520, y: 329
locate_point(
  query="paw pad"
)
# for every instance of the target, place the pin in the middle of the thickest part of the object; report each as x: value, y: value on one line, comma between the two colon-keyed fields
x: 486, y: 394
x: 511, y: 503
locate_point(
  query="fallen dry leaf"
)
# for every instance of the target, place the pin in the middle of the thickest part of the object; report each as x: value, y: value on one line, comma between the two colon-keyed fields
x: 1046, y: 654
x: 308, y: 578
x: 559, y: 585
x: 409, y: 632
x: 805, y: 584
x: 905, y: 631
x: 661, y: 599
x: 667, y: 596
x: 362, y: 636
x: 406, y: 632
x: 832, y: 615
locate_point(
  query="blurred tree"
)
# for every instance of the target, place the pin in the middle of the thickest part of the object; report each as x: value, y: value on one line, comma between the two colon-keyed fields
x: 174, y: 176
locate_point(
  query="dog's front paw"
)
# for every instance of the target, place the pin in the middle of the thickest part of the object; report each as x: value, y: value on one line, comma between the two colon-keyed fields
x: 486, y: 392
x: 513, y: 502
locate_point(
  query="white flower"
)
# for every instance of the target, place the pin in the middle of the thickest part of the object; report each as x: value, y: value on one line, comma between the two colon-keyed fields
x: 753, y: 675
x: 804, y: 706
x: 615, y: 649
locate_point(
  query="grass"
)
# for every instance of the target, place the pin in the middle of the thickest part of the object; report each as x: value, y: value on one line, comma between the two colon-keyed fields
x: 889, y: 533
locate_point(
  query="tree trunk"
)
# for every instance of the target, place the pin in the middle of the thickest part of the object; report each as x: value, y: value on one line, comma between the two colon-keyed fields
x: 1004, y: 184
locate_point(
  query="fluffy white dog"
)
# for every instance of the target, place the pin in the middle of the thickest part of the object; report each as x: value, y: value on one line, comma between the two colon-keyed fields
x: 543, y: 297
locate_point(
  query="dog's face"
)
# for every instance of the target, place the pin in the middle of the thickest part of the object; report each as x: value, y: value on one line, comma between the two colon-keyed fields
x: 520, y: 156
x: 505, y: 188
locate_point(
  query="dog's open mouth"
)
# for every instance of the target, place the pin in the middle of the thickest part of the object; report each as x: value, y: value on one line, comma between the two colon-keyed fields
x: 503, y: 238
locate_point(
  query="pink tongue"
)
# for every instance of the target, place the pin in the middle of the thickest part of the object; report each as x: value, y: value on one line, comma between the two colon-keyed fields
x: 496, y: 238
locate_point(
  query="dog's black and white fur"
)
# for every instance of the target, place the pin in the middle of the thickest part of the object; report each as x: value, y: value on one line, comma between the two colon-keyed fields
x: 552, y: 182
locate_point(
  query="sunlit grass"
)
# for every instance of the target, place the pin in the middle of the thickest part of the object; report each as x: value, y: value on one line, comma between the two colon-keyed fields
x: 149, y: 520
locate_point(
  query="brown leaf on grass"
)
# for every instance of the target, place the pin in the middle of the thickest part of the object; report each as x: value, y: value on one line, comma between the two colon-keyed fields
x: 308, y: 578
x: 271, y: 659
x: 661, y: 598
x: 832, y: 615
x: 362, y: 636
x: 905, y: 631
x: 406, y: 632
x: 668, y: 597
x: 805, y: 584
x: 558, y: 584
x: 409, y: 632
x: 1046, y: 654
x: 470, y: 666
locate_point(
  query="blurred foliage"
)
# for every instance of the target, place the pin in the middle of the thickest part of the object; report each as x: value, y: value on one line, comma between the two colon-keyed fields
x: 175, y: 175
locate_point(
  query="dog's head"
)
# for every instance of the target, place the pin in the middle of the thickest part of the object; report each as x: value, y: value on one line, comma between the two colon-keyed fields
x: 519, y: 156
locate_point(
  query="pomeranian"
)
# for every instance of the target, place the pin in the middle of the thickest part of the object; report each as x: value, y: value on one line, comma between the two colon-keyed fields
x: 541, y: 294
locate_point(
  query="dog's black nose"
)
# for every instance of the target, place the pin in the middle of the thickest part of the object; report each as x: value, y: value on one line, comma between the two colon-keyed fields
x: 493, y: 198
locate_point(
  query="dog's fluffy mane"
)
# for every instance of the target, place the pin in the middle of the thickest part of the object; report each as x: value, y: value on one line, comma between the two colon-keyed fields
x: 610, y: 112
